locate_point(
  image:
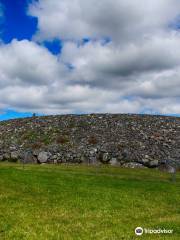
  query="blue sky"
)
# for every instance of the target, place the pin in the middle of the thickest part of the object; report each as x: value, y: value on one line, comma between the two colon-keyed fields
x: 16, y: 22
x: 10, y: 114
x: 66, y: 57
x: 18, y: 25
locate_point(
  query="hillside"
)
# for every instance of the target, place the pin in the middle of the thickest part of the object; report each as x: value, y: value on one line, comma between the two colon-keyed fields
x: 117, y: 139
x: 65, y: 202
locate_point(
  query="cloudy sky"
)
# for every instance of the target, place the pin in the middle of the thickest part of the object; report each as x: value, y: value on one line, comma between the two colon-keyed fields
x: 78, y: 56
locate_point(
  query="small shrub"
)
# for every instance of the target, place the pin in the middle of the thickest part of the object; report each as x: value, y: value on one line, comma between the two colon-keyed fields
x: 30, y: 136
x: 36, y: 145
x: 71, y: 124
x: 92, y: 140
x: 12, y: 160
x: 62, y: 139
x: 46, y: 140
x: 120, y: 146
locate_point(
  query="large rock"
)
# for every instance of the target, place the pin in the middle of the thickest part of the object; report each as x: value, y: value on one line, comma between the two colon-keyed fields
x: 6, y: 156
x: 133, y: 165
x: 92, y: 160
x: 15, y: 155
x: 43, y: 157
x: 28, y: 158
x: 153, y: 163
x: 167, y: 168
x: 114, y: 162
x: 104, y: 157
x: 168, y: 165
x: 36, y: 152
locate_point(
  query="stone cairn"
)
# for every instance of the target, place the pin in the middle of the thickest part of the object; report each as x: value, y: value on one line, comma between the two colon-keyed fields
x: 126, y: 140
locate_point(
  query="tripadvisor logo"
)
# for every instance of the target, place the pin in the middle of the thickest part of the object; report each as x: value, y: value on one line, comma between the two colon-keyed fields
x: 139, y: 231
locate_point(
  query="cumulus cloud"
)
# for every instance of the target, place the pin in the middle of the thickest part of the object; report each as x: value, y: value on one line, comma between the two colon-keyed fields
x: 34, y: 79
x: 137, y: 70
x: 26, y: 63
x: 120, y: 20
x: 112, y: 66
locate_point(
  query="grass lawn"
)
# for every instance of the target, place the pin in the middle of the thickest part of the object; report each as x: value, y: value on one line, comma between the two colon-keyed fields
x: 81, y: 202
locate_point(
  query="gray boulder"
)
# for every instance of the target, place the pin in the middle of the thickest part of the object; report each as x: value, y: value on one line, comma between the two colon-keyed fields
x: 36, y: 152
x: 28, y: 158
x: 43, y: 157
x: 114, y: 162
x: 6, y: 156
x: 171, y: 169
x: 153, y: 163
x: 105, y: 157
x: 133, y: 165
x: 168, y: 166
x: 92, y: 160
x: 15, y: 155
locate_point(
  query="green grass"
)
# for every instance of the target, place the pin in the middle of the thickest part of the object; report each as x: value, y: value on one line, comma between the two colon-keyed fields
x: 80, y: 202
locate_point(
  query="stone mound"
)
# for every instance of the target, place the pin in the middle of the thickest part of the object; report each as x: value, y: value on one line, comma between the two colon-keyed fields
x: 116, y: 139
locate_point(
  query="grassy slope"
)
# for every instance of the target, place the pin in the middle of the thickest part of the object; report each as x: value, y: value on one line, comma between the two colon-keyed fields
x: 78, y: 202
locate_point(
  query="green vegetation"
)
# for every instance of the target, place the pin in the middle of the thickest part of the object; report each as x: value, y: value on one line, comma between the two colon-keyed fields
x: 62, y: 139
x: 48, y: 202
x: 92, y: 140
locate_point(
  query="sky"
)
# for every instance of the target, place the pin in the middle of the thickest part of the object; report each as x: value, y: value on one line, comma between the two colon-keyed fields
x: 78, y: 56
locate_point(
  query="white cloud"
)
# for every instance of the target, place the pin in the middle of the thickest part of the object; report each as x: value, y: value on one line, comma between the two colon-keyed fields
x: 26, y: 63
x: 33, y: 79
x: 137, y: 71
x: 48, y: 87
x: 111, y: 66
x: 120, y: 20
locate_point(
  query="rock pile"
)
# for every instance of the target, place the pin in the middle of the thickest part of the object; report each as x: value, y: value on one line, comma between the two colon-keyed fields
x: 116, y: 139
